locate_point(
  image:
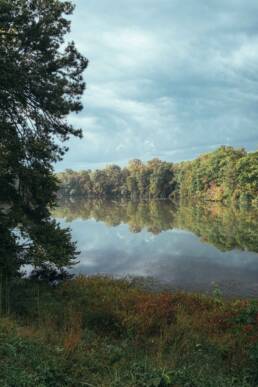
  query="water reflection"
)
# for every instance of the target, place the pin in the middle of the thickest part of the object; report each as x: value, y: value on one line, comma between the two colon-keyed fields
x: 224, y: 227
x: 186, y: 246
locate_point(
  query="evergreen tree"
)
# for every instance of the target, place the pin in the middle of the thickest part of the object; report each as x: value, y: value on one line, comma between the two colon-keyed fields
x: 41, y: 83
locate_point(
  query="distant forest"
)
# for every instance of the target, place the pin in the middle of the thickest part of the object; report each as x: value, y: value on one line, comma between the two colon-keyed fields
x: 225, y: 175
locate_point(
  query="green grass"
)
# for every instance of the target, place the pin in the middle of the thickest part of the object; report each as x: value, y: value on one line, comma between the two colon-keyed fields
x: 104, y: 332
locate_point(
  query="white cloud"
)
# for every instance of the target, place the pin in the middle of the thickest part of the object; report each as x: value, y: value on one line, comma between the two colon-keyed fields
x: 168, y: 78
x: 246, y: 55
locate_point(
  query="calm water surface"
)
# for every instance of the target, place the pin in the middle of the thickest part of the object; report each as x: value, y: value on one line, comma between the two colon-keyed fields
x: 189, y: 247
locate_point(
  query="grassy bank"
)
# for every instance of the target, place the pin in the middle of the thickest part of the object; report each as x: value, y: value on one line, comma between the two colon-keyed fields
x: 103, y: 332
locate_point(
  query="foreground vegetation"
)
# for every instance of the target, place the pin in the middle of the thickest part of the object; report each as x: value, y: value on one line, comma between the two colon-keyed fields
x: 225, y: 175
x: 104, y: 332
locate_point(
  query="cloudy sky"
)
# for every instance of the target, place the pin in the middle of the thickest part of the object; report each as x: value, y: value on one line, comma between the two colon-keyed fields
x: 167, y: 78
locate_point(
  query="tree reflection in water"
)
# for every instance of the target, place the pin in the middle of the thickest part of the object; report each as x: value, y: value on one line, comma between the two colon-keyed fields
x: 226, y: 228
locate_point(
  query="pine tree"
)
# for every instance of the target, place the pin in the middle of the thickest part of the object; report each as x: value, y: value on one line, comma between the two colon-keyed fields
x: 41, y: 83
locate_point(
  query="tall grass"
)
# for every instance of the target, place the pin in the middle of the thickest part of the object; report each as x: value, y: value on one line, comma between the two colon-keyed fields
x: 98, y: 331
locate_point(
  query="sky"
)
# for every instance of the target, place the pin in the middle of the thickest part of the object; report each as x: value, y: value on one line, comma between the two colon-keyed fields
x: 167, y: 78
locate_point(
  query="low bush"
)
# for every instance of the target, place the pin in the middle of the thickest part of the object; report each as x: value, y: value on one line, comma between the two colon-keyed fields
x: 97, y: 331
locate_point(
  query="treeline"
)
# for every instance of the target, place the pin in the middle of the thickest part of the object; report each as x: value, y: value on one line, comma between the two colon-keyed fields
x: 227, y: 174
x: 155, y: 179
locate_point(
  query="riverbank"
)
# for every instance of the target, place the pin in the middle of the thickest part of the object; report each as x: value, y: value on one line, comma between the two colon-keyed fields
x: 103, y: 332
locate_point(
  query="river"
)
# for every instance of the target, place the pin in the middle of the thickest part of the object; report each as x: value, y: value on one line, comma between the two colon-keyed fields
x: 192, y: 247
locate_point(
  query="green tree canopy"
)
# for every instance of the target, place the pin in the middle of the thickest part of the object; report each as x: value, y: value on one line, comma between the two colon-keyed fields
x: 41, y: 83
